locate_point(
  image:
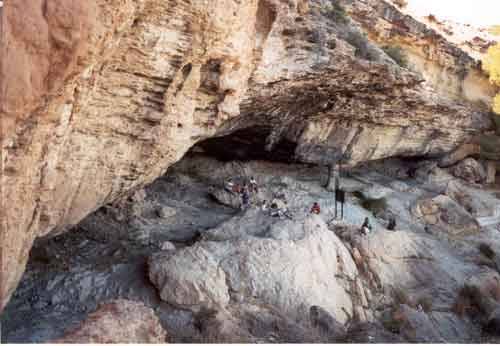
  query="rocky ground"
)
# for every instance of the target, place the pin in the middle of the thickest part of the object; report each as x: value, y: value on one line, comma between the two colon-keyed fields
x: 213, y: 273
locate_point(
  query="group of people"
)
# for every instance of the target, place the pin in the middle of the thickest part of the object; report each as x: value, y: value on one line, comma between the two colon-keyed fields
x: 243, y: 190
x: 278, y: 206
x: 366, y: 227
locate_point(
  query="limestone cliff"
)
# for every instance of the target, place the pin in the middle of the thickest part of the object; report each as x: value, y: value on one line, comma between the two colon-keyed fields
x: 447, y: 65
x: 100, y: 98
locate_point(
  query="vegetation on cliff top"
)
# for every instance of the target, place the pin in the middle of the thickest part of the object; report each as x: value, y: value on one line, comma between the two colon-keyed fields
x: 336, y: 12
x: 495, y: 30
x: 491, y: 64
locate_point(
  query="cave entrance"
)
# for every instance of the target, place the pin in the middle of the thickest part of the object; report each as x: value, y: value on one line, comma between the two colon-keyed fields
x: 248, y: 144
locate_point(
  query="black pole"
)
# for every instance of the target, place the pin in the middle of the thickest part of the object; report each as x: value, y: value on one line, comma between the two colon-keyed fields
x: 341, y: 192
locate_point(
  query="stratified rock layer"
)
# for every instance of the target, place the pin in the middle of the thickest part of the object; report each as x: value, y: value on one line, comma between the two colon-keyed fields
x: 98, y: 99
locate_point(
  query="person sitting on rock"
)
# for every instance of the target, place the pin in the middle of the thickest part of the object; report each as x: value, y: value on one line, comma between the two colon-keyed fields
x: 392, y: 224
x: 366, y: 227
x: 315, y: 208
x: 237, y: 188
x: 229, y: 186
x: 253, y: 185
x: 280, y: 204
x: 264, y: 206
x: 275, y: 210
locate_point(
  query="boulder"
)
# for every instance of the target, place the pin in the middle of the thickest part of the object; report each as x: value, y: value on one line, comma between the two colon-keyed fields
x: 445, y: 213
x: 291, y: 274
x: 190, y: 277
x: 478, y: 203
x: 165, y: 212
x: 167, y: 246
x: 224, y: 197
x: 493, y: 324
x: 119, y: 321
x: 469, y: 170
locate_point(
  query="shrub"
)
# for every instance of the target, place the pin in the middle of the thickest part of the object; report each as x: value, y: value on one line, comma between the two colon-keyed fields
x: 469, y: 300
x: 494, y: 30
x: 425, y: 302
x: 401, y: 3
x: 336, y: 12
x: 432, y: 18
x: 486, y: 250
x: 491, y: 65
x: 496, y: 119
x: 332, y: 44
x: 401, y: 297
x: 489, y: 145
x: 397, y: 54
x: 394, y: 321
x: 375, y: 205
x: 313, y: 36
x: 360, y: 42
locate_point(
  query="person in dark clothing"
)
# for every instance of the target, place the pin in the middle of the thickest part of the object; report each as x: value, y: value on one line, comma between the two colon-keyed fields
x: 392, y: 224
x: 245, y: 198
x: 366, y: 227
x: 315, y: 208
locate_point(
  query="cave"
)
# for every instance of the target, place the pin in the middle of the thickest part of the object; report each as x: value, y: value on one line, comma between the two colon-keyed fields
x: 248, y: 144
x: 107, y: 256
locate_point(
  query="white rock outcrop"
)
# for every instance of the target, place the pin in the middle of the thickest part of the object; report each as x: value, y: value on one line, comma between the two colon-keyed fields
x: 291, y: 274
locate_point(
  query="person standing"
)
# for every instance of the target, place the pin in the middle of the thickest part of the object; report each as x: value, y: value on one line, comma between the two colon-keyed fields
x: 245, y: 198
x: 392, y: 224
x: 253, y: 185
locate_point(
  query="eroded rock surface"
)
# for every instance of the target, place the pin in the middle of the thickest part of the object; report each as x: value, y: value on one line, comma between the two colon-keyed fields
x: 120, y: 321
x: 100, y: 99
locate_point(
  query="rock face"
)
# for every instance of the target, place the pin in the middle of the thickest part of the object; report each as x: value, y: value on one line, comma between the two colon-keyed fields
x: 120, y: 321
x: 101, y: 98
x: 429, y: 50
x: 408, y: 260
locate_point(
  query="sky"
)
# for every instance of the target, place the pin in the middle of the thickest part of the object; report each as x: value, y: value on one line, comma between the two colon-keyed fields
x: 479, y: 13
